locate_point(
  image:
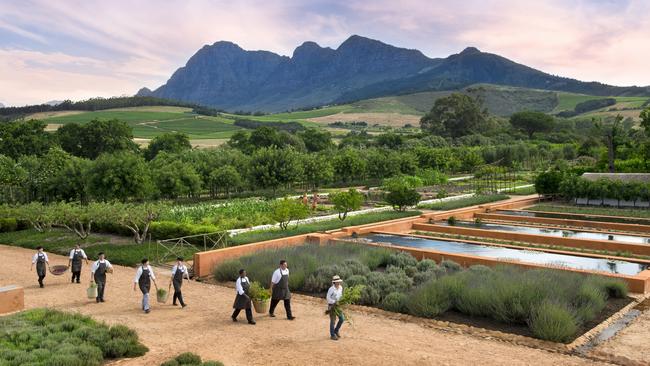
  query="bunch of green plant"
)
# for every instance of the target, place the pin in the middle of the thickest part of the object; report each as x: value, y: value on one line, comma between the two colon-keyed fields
x: 50, y: 337
x: 161, y: 292
x: 451, y: 220
x: 351, y: 295
x: 464, y: 202
x: 189, y: 359
x: 258, y: 292
x: 345, y: 202
x: 401, y: 191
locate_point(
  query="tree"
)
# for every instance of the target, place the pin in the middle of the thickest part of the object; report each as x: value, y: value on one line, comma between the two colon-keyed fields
x: 349, y: 165
x: 225, y: 179
x: 316, y: 139
x: 40, y: 171
x: 96, y: 137
x: 613, y: 136
x: 272, y: 167
x: 173, y: 178
x: 38, y: 215
x: 172, y: 143
x: 317, y: 170
x: 549, y: 182
x: 70, y: 183
x: 286, y: 210
x: 401, y: 191
x: 345, y: 202
x: 12, y: 176
x: 531, y: 122
x: 456, y: 115
x: 24, y: 138
x: 76, y: 218
x: 135, y: 217
x: 645, y: 120
x: 390, y: 140
x: 120, y: 176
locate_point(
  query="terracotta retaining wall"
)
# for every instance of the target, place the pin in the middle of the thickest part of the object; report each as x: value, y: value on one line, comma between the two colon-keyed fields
x: 639, y: 283
x: 604, y: 217
x: 563, y: 227
x: 12, y: 298
x: 614, y: 226
x: 640, y: 249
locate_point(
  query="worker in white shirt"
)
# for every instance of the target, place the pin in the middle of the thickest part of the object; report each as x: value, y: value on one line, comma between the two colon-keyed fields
x: 242, y: 299
x: 143, y: 277
x: 98, y: 274
x: 280, y: 290
x: 41, y: 261
x: 334, y: 294
x: 76, y: 255
x: 179, y: 271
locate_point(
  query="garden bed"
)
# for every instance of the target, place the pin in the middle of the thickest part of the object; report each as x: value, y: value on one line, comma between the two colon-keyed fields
x: 464, y: 202
x: 543, y: 303
x: 605, y: 211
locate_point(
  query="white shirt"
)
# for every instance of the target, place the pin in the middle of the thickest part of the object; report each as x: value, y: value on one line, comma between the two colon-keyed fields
x: 96, y: 263
x: 83, y: 254
x: 35, y: 257
x: 138, y: 273
x: 277, y: 275
x: 180, y: 268
x: 238, y: 286
x: 334, y: 294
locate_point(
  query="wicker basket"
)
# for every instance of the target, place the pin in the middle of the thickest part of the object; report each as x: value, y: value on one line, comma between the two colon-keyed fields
x: 261, y: 306
x: 58, y: 270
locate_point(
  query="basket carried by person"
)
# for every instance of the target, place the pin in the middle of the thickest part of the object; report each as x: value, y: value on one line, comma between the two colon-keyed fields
x: 161, y: 295
x: 58, y: 270
x: 260, y: 298
x: 92, y: 291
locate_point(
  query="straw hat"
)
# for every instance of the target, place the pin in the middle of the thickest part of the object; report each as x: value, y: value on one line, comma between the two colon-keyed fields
x: 336, y: 279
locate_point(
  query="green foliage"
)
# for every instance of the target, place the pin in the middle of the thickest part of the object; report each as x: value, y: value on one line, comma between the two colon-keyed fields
x: 553, y: 322
x: 548, y: 182
x: 173, y: 177
x: 286, y: 210
x: 272, y: 167
x: 95, y: 138
x: 456, y: 115
x: 464, y: 202
x: 119, y: 177
x: 257, y: 292
x: 531, y: 122
x: 24, y: 138
x: 172, y: 142
x: 50, y: 337
x: 401, y: 191
x: 226, y: 179
x: 345, y: 202
x: 395, y: 301
x: 188, y: 358
x: 349, y: 165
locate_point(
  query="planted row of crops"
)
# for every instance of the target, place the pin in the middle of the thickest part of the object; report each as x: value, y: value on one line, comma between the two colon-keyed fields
x: 553, y: 304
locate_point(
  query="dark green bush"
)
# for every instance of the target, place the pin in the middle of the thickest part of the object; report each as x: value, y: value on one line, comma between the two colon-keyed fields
x: 369, y: 296
x: 355, y: 280
x: 426, y: 264
x: 450, y: 266
x: 171, y: 362
x: 355, y: 267
x: 553, y: 322
x: 375, y: 258
x: 395, y: 301
x: 212, y: 363
x: 429, y: 300
x: 188, y: 358
x: 8, y: 225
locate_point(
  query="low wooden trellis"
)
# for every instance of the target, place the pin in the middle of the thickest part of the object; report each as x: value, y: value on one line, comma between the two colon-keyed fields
x: 168, y: 250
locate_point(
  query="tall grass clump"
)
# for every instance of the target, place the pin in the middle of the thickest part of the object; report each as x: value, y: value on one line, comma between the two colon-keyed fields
x: 50, y: 337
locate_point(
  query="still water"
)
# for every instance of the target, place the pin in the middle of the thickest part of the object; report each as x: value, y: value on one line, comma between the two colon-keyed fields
x: 554, y: 215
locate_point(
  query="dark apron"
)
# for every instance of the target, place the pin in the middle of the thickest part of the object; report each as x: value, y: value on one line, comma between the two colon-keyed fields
x: 281, y: 289
x: 76, y: 261
x: 145, y: 281
x: 40, y: 265
x: 100, y: 273
x: 243, y: 301
x: 177, y: 281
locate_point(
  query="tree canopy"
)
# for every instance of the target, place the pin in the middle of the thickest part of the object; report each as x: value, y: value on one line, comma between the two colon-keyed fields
x: 455, y: 115
x: 531, y: 122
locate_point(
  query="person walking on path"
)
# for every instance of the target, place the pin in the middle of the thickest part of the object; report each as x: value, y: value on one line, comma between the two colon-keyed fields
x: 243, y: 299
x: 98, y: 274
x: 41, y: 261
x: 76, y: 255
x: 143, y: 277
x: 280, y: 290
x: 179, y: 271
x: 334, y: 294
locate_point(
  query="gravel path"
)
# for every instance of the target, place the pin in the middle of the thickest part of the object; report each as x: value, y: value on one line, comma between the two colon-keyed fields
x: 204, y: 327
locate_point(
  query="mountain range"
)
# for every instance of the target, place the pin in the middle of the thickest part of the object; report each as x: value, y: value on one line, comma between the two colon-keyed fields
x: 223, y: 75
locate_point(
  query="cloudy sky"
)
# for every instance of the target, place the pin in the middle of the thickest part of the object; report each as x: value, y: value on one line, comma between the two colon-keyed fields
x: 53, y: 50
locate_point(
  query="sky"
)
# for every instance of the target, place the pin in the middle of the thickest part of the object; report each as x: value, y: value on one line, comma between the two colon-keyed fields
x: 68, y: 49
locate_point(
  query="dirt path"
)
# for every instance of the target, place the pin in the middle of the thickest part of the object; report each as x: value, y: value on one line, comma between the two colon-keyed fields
x: 204, y: 327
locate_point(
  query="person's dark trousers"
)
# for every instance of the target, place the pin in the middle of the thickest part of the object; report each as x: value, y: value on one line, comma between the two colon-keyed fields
x: 76, y: 275
x: 100, y: 290
x: 40, y: 280
x: 249, y: 314
x: 287, y: 306
x: 334, y: 330
x: 178, y: 296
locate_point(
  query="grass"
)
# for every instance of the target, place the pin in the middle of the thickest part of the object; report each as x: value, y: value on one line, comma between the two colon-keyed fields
x: 189, y: 359
x: 525, y: 191
x: 51, y: 337
x: 464, y: 202
x: 608, y: 211
x: 262, y: 235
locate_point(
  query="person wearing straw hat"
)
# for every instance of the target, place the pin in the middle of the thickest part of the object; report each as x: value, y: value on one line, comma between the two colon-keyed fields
x: 74, y: 262
x: 143, y: 277
x: 334, y: 294
x: 242, y: 299
x: 41, y: 261
x: 179, y: 271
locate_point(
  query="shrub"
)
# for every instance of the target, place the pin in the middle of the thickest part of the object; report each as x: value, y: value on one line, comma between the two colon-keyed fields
x: 426, y: 264
x: 355, y: 267
x: 423, y: 277
x: 227, y: 271
x: 356, y: 280
x: 171, y: 362
x: 402, y: 259
x: 188, y: 358
x: 122, y: 332
x: 8, y: 225
x: 589, y: 301
x: 212, y: 363
x: 395, y: 301
x: 451, y: 220
x: 376, y: 258
x: 553, y: 322
x: 429, y: 300
x: 386, y: 283
x: 450, y: 266
x: 369, y: 296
